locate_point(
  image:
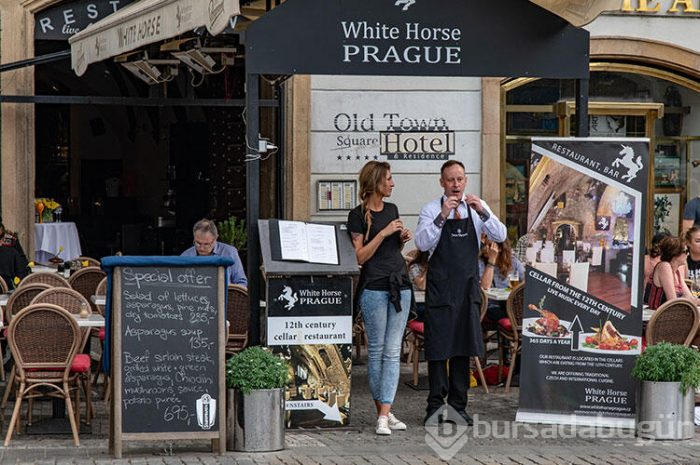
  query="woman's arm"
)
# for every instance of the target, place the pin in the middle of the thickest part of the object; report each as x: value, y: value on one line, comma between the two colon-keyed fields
x: 666, y: 280
x: 686, y: 291
x: 364, y: 252
x: 487, y: 276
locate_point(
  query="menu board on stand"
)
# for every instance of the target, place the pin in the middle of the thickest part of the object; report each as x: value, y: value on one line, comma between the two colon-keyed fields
x: 167, y: 337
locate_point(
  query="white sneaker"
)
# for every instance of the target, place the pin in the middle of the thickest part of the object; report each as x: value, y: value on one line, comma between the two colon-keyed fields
x: 395, y: 423
x: 383, y: 426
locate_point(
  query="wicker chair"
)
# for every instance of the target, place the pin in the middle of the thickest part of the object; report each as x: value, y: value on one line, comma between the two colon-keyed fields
x: 91, y: 261
x: 52, y: 279
x: 22, y: 297
x: 511, y: 332
x: 3, y: 286
x: 238, y: 316
x: 676, y: 322
x: 101, y: 290
x: 44, y: 339
x: 86, y: 281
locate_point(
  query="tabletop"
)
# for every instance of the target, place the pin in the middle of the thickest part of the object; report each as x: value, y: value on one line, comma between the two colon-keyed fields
x: 50, y: 237
x: 498, y: 294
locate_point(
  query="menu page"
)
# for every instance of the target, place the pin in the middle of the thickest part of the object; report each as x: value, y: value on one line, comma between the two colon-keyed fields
x: 309, y: 242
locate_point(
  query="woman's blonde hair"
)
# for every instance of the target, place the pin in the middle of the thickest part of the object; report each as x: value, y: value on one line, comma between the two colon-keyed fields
x: 371, y: 177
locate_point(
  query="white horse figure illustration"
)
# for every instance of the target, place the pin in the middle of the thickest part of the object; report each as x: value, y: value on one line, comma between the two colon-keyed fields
x: 628, y: 161
x: 405, y: 3
x: 289, y: 296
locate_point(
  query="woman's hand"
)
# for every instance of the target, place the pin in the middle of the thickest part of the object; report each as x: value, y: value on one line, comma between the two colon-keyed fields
x: 406, y: 235
x: 492, y: 251
x: 391, y: 228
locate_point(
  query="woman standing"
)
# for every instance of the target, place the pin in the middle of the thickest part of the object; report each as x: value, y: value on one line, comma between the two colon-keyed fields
x: 666, y: 281
x: 384, y: 291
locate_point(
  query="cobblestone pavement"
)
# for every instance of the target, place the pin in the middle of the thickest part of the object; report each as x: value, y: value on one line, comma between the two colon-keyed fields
x: 358, y: 445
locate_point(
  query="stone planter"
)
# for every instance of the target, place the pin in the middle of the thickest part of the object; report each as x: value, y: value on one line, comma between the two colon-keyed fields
x: 255, y: 421
x: 664, y: 412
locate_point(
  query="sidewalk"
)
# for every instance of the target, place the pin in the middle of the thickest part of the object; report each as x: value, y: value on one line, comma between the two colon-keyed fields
x: 358, y: 445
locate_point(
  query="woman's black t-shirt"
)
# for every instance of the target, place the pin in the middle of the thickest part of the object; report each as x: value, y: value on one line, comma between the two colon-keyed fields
x: 387, y: 259
x: 693, y: 268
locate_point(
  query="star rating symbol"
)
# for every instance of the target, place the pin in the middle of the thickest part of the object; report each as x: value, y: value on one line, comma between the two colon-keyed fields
x: 348, y: 157
x: 366, y: 157
x: 376, y: 157
x: 340, y: 157
x: 357, y: 157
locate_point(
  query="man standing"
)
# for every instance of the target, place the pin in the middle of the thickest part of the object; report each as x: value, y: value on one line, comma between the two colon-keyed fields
x: 205, y: 243
x: 450, y: 228
x: 691, y: 215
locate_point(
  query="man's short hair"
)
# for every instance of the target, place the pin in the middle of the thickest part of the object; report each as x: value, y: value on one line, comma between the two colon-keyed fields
x: 449, y: 163
x: 205, y: 226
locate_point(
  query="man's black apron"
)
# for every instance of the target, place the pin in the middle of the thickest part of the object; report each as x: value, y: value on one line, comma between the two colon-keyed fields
x: 453, y: 296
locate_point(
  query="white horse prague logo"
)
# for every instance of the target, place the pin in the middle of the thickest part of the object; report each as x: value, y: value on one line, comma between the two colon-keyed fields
x: 629, y: 161
x: 406, y: 4
x: 289, y: 296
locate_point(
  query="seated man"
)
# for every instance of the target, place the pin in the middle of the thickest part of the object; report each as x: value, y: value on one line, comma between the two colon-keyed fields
x: 205, y: 243
x: 12, y: 265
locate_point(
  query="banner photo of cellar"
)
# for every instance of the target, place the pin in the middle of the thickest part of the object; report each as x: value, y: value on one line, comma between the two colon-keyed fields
x: 582, y: 315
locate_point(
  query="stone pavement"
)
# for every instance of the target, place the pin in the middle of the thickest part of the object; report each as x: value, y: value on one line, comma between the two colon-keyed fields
x: 358, y: 445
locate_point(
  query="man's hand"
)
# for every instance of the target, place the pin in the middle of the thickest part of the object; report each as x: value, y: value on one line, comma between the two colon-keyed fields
x: 448, y: 205
x: 475, y: 202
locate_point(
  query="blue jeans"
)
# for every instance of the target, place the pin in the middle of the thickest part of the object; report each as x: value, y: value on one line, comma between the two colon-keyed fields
x: 385, y: 328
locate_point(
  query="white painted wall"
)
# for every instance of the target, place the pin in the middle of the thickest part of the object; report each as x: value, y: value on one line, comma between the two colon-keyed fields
x: 456, y: 100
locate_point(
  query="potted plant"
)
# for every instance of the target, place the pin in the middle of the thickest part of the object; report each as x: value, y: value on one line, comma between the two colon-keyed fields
x: 234, y: 232
x: 668, y: 375
x: 255, y: 379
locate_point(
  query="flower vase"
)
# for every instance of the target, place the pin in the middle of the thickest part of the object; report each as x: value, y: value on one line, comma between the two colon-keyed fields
x: 47, y: 216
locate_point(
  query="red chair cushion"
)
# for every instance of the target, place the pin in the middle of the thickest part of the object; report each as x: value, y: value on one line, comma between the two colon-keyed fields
x: 505, y: 324
x: 81, y: 363
x: 101, y: 334
x: 416, y: 326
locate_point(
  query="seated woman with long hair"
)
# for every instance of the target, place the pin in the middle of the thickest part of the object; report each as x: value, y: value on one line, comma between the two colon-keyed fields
x: 666, y: 280
x: 653, y: 255
x: 497, y: 262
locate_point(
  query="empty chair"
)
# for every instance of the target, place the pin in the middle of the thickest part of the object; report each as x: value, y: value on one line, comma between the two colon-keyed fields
x: 90, y: 261
x: 86, y: 281
x: 238, y: 316
x: 578, y: 276
x: 676, y: 321
x: 52, y: 279
x: 3, y: 286
x: 102, y: 291
x: 44, y: 340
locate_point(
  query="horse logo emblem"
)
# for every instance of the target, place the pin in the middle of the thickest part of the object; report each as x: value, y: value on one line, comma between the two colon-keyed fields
x: 406, y: 4
x: 629, y: 161
x: 289, y: 296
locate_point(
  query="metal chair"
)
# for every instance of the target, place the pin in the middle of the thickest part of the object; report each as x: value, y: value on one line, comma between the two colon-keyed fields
x: 52, y: 279
x: 511, y: 332
x: 238, y: 316
x: 676, y: 321
x: 86, y: 281
x: 44, y: 340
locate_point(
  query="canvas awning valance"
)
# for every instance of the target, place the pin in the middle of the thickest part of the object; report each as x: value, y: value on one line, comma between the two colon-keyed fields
x: 146, y: 22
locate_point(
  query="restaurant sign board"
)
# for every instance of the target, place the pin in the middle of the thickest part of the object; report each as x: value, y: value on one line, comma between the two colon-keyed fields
x: 66, y: 19
x: 582, y: 315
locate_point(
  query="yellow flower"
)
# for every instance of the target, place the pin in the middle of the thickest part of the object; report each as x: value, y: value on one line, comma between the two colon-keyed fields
x: 31, y: 264
x: 16, y: 280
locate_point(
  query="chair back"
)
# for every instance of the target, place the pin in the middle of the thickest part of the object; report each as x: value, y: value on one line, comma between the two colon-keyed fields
x: 238, y: 316
x: 86, y: 281
x: 44, y: 337
x: 484, y: 304
x: 68, y: 299
x: 3, y: 286
x: 91, y: 261
x: 52, y: 279
x: 676, y: 321
x: 101, y: 290
x: 578, y: 275
x: 22, y: 297
x: 514, y: 308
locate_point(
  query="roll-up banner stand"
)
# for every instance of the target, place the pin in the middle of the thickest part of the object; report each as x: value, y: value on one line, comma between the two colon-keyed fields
x: 582, y: 321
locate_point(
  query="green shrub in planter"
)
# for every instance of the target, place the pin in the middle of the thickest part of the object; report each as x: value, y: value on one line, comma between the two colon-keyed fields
x: 256, y: 368
x: 233, y: 232
x: 669, y: 363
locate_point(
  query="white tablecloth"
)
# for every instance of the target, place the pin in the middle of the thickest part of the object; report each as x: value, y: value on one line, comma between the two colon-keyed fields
x: 52, y: 236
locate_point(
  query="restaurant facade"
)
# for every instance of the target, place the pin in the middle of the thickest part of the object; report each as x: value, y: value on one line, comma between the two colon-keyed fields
x: 644, y: 81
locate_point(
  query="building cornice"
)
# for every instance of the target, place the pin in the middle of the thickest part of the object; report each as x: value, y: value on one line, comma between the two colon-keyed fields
x: 34, y: 6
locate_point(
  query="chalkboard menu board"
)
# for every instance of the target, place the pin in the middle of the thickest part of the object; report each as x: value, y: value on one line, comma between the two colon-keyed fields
x: 168, y: 337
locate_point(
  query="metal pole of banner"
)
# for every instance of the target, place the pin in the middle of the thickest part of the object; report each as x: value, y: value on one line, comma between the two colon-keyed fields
x: 582, y: 128
x: 253, y: 203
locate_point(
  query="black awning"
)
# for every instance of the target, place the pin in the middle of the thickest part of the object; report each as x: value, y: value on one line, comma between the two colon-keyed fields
x: 416, y: 38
